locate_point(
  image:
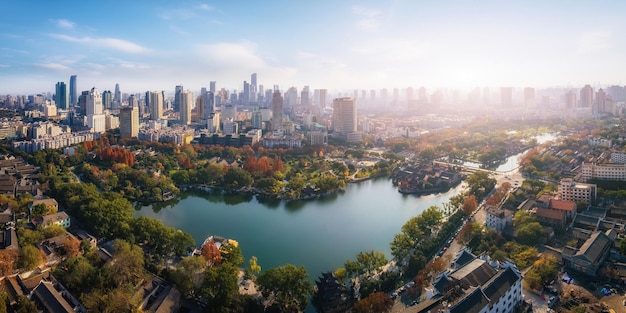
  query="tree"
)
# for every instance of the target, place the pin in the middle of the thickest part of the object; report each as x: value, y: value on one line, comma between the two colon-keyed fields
x: 255, y: 268
x: 30, y: 257
x: 189, y: 275
x: 53, y: 231
x: 237, y: 178
x: 231, y: 254
x: 127, y: 264
x: 24, y: 305
x: 8, y: 257
x: 80, y: 274
x: 220, y: 287
x: 622, y: 246
x: 377, y: 302
x: 530, y: 233
x: 522, y: 217
x: 212, y: 254
x: 469, y: 205
x: 71, y: 247
x: 289, y: 285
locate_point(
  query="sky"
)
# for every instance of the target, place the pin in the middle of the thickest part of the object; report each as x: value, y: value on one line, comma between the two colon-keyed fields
x: 337, y: 45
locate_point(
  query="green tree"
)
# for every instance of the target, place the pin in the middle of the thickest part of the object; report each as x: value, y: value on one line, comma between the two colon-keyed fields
x: 189, y: 275
x: 522, y: 217
x: 622, y: 246
x: 220, y: 287
x: 30, y: 257
x: 126, y: 267
x: 530, y: 233
x: 24, y: 305
x: 80, y: 274
x: 232, y: 254
x: 289, y: 285
x: 237, y: 178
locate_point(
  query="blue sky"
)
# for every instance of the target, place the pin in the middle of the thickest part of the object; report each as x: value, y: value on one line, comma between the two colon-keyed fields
x: 155, y: 45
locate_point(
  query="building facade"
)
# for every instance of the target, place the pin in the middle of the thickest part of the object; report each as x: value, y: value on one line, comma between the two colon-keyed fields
x: 129, y: 121
x: 570, y: 190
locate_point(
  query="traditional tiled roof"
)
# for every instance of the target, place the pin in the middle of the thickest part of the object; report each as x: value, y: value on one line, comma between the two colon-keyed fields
x: 472, y: 303
x: 594, y: 247
x: 550, y: 214
x: 475, y: 273
x: 51, y: 299
x: 563, y: 205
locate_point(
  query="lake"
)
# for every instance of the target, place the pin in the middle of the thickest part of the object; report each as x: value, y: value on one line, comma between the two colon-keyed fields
x: 320, y: 234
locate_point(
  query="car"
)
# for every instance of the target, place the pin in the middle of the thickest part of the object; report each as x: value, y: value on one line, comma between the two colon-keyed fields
x: 444, y: 249
x: 394, y: 295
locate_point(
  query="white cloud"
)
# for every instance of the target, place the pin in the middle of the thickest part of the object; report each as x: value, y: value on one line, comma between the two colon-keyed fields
x: 65, y: 24
x: 109, y: 43
x: 205, y: 7
x: 53, y: 66
x: 367, y: 19
x: 591, y: 42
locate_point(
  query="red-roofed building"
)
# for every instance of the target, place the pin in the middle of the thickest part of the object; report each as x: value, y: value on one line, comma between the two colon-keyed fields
x: 565, y: 206
x: 553, y: 218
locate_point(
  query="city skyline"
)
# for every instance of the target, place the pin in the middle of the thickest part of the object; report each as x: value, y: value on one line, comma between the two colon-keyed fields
x: 349, y: 45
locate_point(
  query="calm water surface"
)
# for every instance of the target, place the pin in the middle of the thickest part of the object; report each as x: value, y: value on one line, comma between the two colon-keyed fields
x: 320, y: 234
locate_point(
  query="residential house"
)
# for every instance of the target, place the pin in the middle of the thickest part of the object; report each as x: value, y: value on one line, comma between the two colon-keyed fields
x: 552, y: 218
x: 60, y: 218
x: 566, y: 206
x: 499, y: 218
x: 591, y: 255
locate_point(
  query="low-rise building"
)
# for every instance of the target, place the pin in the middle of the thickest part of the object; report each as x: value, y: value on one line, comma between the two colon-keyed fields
x: 60, y: 218
x: 499, y: 218
x: 591, y: 255
x: 571, y: 190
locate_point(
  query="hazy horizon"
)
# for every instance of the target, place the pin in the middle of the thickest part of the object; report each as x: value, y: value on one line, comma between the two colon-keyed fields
x: 155, y: 45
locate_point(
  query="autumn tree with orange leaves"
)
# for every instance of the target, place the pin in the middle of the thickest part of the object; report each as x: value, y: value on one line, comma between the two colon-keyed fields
x: 211, y: 253
x: 374, y: 303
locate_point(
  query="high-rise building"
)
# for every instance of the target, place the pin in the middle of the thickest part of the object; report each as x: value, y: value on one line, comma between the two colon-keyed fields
x: 506, y: 96
x: 305, y: 97
x: 208, y: 101
x: 95, y: 119
x: 156, y: 105
x: 133, y: 102
x: 73, y: 91
x: 186, y: 102
x: 600, y: 101
x: 212, y: 87
x: 107, y: 99
x: 344, y: 115
x: 586, y: 97
x: 322, y: 99
x: 253, y: 88
x: 94, y: 102
x: 529, y: 97
x: 246, y: 92
x: 129, y: 120
x: 117, y: 96
x: 177, y: 92
x: 570, y: 99
x: 60, y: 96
x: 277, y: 111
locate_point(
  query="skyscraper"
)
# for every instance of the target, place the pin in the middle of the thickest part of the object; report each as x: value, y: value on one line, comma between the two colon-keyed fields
x: 601, y: 101
x: 322, y: 99
x: 305, y: 97
x: 73, y: 91
x: 60, y: 96
x: 586, y: 97
x: 344, y: 115
x: 253, y: 88
x: 208, y: 100
x: 107, y: 99
x: 186, y: 102
x: 277, y: 111
x: 177, y: 92
x: 117, y: 96
x: 156, y: 105
x: 129, y: 120
x: 212, y: 87
x: 95, y: 119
